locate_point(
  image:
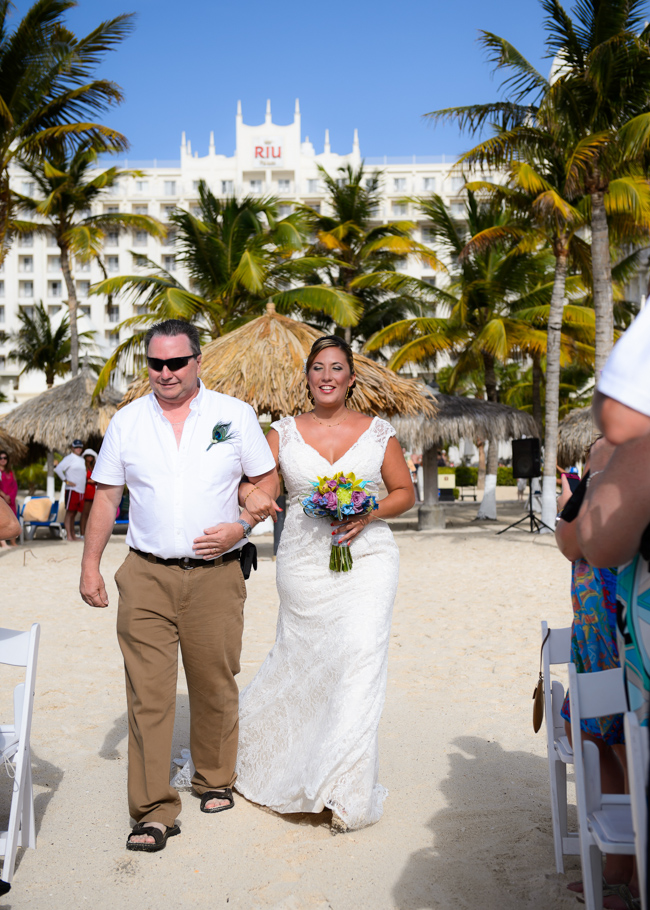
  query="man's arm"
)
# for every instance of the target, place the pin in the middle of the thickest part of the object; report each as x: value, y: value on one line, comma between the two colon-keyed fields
x: 59, y: 469
x: 9, y: 524
x: 616, y: 509
x: 98, y: 530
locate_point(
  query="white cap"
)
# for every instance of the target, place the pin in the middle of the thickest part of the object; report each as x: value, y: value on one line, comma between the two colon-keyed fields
x: 626, y: 375
x: 89, y: 452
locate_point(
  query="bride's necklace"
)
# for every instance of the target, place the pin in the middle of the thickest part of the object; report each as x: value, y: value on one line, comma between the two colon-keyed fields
x: 322, y: 422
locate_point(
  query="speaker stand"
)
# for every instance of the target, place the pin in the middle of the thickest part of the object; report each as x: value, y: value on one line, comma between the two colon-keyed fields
x: 536, y: 524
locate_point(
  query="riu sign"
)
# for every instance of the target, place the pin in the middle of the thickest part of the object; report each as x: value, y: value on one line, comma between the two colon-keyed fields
x: 267, y: 152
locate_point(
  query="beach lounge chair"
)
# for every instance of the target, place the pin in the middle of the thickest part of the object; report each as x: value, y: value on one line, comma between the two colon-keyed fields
x: 636, y: 751
x: 19, y: 649
x: 39, y: 512
x: 604, y: 820
x: 557, y: 650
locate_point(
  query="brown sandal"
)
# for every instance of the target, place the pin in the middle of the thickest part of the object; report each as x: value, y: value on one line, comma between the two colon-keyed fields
x: 222, y: 793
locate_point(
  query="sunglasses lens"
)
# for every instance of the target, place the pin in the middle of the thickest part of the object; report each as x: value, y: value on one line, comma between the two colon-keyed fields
x: 173, y: 364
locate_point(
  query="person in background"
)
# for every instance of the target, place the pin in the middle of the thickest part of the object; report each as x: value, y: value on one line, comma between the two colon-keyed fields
x: 89, y: 456
x: 72, y: 470
x: 412, y: 471
x: 521, y: 488
x: 8, y: 490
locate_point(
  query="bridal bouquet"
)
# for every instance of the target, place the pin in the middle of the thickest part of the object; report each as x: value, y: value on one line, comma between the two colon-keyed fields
x: 342, y: 496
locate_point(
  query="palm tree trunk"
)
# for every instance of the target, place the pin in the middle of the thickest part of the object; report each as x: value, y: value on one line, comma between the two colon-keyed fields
x: 491, y: 392
x: 480, y: 445
x: 549, y: 485
x: 5, y: 214
x: 602, y: 278
x: 537, y: 395
x: 72, y: 308
x: 488, y: 508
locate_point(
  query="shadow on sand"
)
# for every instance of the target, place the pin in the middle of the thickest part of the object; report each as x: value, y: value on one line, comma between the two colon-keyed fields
x: 492, y: 845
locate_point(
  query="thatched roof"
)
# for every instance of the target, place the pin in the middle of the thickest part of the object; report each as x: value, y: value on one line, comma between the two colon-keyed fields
x: 56, y: 417
x: 576, y: 433
x: 12, y: 446
x: 263, y: 361
x: 463, y: 418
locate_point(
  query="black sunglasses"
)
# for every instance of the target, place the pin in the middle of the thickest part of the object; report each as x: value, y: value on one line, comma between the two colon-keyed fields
x: 173, y: 364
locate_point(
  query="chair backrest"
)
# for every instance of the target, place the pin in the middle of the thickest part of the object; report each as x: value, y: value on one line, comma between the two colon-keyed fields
x: 14, y: 647
x: 556, y: 650
x: 636, y: 751
x: 37, y: 508
x: 598, y: 694
x: 20, y: 649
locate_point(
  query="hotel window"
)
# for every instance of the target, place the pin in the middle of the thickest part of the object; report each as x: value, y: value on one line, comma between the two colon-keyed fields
x: 25, y: 263
x: 312, y: 186
x: 140, y: 209
x: 25, y: 288
x: 169, y: 263
x: 54, y: 263
x: 140, y: 238
x: 83, y: 288
x: 284, y: 211
x: 54, y: 288
x: 85, y: 311
x: 112, y: 263
x: 28, y: 311
x: 427, y: 235
x: 457, y: 183
x: 457, y: 210
x: 113, y: 313
x: 142, y: 186
x: 170, y: 238
x: 256, y: 186
x: 51, y: 240
x: 195, y: 185
x: 341, y: 181
x: 3, y: 363
x: 82, y: 266
x: 196, y: 210
x: 430, y: 279
x: 25, y: 240
x: 27, y: 188
x: 53, y: 309
x: 399, y: 184
x: 166, y: 210
x: 140, y: 309
x: 284, y: 186
x: 227, y: 187
x: 112, y: 336
x: 2, y: 314
x: 111, y: 209
x: 169, y: 187
x: 429, y: 184
x: 114, y: 188
x: 112, y: 238
x: 316, y: 207
x: 2, y: 288
x: 399, y: 209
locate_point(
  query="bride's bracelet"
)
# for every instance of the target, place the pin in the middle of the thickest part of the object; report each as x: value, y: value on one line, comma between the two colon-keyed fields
x: 248, y: 494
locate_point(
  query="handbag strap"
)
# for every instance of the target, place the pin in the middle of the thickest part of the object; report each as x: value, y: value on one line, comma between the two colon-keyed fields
x: 541, y: 650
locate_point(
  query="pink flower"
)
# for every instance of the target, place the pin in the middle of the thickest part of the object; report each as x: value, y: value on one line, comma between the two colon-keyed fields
x: 358, y: 496
x: 329, y: 500
x: 332, y: 484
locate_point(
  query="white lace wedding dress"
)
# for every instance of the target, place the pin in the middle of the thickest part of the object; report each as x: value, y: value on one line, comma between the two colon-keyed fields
x: 309, y: 718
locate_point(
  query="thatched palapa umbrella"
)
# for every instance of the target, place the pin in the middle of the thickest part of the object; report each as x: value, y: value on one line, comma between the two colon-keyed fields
x: 12, y: 446
x: 54, y: 418
x: 576, y: 433
x: 263, y: 362
x: 458, y: 418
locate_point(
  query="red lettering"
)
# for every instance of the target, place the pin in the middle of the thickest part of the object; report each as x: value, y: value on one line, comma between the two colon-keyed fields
x: 259, y: 151
x: 279, y: 155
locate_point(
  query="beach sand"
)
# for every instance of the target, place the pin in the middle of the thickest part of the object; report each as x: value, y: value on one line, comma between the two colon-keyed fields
x: 467, y: 820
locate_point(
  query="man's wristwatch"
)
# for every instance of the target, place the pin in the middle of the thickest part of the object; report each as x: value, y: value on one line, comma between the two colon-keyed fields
x: 245, y: 525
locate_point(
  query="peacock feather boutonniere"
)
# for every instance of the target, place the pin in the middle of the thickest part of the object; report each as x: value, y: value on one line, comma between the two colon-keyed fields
x: 220, y: 433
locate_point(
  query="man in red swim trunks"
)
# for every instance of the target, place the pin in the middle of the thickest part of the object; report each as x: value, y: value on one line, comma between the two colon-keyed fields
x: 72, y: 469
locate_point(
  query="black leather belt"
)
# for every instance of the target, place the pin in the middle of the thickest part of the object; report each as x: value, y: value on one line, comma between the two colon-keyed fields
x: 186, y: 562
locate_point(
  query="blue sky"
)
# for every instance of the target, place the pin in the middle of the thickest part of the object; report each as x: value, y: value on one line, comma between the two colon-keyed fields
x: 377, y: 66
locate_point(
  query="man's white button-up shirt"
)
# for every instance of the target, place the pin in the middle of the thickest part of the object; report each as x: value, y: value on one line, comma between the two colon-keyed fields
x: 177, y: 492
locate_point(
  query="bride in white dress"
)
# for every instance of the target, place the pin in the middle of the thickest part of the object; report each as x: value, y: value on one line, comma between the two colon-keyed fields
x: 310, y: 717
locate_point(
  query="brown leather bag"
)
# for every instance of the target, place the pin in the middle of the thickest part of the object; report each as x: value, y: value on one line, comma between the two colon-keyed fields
x: 538, y: 693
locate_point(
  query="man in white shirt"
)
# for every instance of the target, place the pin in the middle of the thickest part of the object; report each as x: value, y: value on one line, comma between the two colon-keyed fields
x: 72, y: 470
x: 182, y: 452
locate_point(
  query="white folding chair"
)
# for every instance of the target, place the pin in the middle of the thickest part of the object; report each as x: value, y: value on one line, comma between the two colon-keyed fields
x: 557, y: 650
x: 19, y: 649
x: 604, y: 821
x: 636, y: 751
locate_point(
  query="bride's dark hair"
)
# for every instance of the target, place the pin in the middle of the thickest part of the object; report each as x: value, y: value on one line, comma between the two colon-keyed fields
x: 331, y: 341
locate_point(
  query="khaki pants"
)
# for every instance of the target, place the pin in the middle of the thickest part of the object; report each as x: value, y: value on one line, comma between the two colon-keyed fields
x: 202, y: 609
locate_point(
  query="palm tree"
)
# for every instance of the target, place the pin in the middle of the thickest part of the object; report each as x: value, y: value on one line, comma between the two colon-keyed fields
x: 41, y: 347
x: 364, y: 257
x: 598, y: 101
x: 47, y: 93
x: 492, y: 290
x: 239, y: 255
x: 68, y: 185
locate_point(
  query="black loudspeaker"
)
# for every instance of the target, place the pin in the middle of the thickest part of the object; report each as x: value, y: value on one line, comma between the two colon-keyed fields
x: 526, y: 458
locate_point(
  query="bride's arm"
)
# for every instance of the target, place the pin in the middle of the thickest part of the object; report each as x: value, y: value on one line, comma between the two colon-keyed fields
x: 257, y: 495
x: 401, y: 495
